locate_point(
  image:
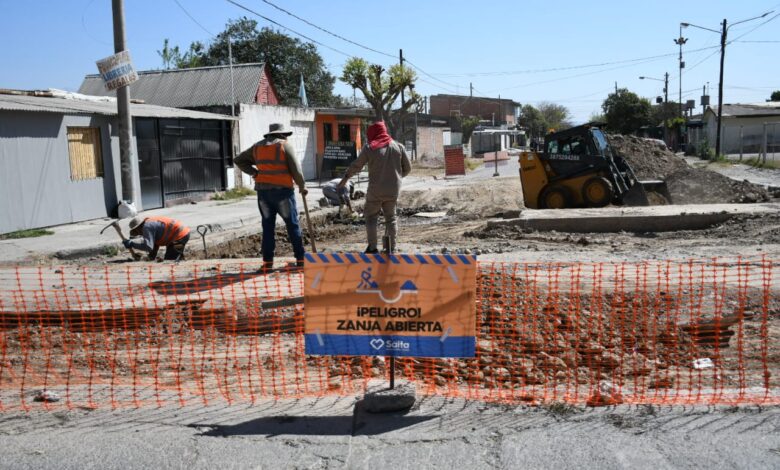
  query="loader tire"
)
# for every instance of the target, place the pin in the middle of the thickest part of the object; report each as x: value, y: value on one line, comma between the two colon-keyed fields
x: 555, y: 197
x: 597, y: 192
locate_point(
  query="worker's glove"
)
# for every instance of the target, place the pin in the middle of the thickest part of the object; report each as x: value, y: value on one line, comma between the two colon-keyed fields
x: 126, y: 243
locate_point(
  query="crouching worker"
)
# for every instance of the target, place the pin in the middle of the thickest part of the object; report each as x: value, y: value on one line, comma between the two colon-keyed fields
x: 339, y: 196
x: 157, y: 232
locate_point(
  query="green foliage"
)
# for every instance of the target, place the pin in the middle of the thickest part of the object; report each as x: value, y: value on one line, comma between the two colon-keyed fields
x: 30, y: 233
x: 705, y: 152
x: 775, y: 96
x: 110, y: 251
x: 287, y: 58
x: 665, y: 113
x: 467, y: 125
x: 539, y: 120
x: 758, y: 162
x: 234, y: 193
x: 555, y: 115
x: 626, y: 112
x: 381, y: 88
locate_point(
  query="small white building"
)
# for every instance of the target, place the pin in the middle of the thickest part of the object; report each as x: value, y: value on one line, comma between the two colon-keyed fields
x: 743, y: 127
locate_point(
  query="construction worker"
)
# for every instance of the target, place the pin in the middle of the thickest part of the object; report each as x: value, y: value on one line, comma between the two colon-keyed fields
x: 387, y: 164
x: 157, y: 232
x: 276, y: 171
x: 338, y: 197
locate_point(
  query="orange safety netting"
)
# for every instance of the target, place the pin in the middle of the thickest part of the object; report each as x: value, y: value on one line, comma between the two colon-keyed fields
x: 655, y: 332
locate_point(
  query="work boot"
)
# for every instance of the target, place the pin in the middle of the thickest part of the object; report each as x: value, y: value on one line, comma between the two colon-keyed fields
x: 371, y: 251
x: 267, y: 266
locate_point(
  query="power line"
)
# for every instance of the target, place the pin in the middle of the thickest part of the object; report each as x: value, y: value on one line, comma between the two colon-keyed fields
x: 84, y: 26
x: 286, y: 28
x: 193, y: 19
x: 573, y: 67
x: 327, y: 31
x: 338, y: 36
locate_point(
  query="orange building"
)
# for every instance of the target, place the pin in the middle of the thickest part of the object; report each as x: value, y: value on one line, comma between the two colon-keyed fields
x: 338, y: 127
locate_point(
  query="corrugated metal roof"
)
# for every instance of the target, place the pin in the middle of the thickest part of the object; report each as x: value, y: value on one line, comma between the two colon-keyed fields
x: 756, y: 109
x: 108, y: 108
x: 188, y: 88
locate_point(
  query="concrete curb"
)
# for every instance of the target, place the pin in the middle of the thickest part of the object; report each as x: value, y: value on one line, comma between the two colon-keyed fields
x: 217, y: 234
x: 633, y: 219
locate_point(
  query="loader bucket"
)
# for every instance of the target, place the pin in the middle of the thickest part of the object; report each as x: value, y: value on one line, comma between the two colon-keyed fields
x: 635, y: 196
x: 660, y: 192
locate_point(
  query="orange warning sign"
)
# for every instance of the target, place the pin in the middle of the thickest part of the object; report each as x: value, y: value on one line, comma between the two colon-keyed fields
x: 390, y: 305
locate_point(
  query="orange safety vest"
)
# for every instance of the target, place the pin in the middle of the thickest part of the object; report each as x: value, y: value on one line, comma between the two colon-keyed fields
x: 271, y: 164
x: 173, y: 231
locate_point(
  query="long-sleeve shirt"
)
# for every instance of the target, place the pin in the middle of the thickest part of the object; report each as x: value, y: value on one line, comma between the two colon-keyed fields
x: 386, y: 167
x: 151, y: 231
x: 245, y: 161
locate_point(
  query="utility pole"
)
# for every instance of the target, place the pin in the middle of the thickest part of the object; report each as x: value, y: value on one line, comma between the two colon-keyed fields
x: 666, y: 87
x: 401, y: 114
x: 232, y: 85
x: 680, y: 41
x: 123, y: 109
x: 471, y: 90
x: 723, y: 33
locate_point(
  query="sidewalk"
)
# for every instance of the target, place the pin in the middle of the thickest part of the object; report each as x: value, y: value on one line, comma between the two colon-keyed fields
x: 83, y: 239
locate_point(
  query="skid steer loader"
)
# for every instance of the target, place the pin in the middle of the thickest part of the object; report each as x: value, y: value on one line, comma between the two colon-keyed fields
x: 577, y: 168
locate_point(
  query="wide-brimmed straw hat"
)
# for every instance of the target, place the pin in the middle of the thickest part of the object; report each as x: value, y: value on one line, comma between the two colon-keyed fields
x: 277, y: 128
x: 136, y: 221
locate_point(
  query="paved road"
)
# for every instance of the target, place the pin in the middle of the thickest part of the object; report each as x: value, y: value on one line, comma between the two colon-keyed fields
x: 437, y: 433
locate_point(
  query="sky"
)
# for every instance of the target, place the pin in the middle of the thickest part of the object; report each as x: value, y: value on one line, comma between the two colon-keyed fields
x: 571, y: 53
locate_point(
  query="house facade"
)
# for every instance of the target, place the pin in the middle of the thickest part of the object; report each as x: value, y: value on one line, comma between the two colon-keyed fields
x: 498, y: 112
x: 743, y: 127
x: 60, y: 163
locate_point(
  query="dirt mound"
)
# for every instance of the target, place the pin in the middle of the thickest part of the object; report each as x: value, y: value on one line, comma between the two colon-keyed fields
x: 494, y: 197
x: 650, y: 159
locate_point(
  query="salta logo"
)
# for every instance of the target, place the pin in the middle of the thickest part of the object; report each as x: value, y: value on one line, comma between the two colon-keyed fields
x: 368, y: 285
x: 389, y: 345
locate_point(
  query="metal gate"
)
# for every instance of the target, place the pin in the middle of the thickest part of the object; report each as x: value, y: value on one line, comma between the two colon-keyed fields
x: 194, y: 155
x: 149, y: 164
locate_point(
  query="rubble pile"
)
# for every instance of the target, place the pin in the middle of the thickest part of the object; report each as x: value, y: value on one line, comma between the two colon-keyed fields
x: 650, y: 159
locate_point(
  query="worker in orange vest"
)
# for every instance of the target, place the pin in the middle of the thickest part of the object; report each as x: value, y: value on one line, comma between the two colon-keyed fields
x: 276, y: 170
x: 157, y: 232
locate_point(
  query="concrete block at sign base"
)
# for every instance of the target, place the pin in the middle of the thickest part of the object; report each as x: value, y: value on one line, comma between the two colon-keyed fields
x: 387, y: 400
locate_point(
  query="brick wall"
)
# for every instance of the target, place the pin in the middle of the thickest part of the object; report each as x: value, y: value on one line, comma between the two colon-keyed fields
x: 454, y: 162
x: 430, y: 142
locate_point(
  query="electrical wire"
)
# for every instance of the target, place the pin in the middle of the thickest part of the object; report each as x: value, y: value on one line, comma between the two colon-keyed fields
x: 194, y: 20
x: 84, y: 26
x: 392, y: 56
x: 247, y: 9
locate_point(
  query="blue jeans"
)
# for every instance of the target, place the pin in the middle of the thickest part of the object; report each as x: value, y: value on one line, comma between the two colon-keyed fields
x: 279, y: 201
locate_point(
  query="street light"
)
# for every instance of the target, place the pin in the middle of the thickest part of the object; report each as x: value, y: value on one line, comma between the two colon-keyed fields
x: 666, y: 99
x: 723, y: 33
x: 666, y: 84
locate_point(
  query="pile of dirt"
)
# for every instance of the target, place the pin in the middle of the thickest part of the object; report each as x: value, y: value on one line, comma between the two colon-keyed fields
x: 650, y: 159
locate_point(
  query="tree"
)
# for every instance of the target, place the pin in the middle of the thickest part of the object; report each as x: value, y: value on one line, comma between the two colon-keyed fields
x: 168, y: 54
x: 287, y: 59
x: 555, y: 115
x: 533, y: 121
x: 381, y: 87
x: 625, y: 112
x: 539, y: 121
x: 467, y: 126
x: 775, y: 96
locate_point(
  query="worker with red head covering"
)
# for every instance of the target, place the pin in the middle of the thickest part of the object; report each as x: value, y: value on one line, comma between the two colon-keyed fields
x: 387, y: 164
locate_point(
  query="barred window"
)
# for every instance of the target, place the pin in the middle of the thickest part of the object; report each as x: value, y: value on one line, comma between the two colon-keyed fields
x: 86, y: 160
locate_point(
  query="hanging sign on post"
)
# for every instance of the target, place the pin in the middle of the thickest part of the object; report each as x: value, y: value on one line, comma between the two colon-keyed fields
x: 390, y: 305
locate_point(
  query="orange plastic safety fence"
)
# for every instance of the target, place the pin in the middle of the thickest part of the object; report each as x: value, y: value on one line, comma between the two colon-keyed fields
x: 655, y: 332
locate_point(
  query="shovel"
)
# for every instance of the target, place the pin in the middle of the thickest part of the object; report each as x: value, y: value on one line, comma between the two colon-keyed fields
x: 308, y: 223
